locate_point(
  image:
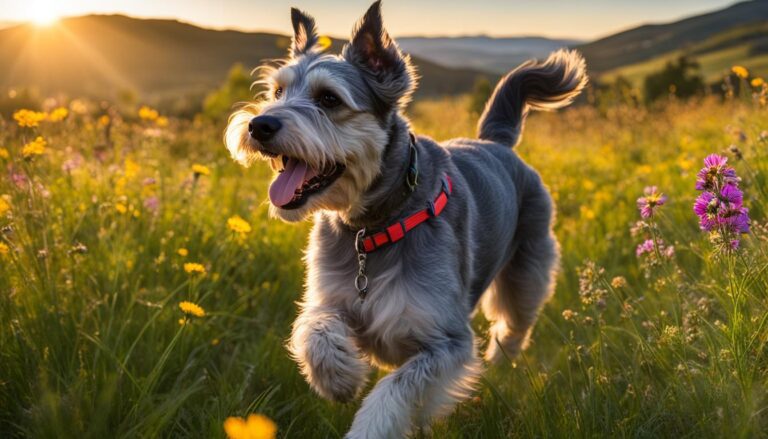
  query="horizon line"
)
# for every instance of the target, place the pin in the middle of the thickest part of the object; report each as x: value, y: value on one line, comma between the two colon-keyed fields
x: 5, y: 24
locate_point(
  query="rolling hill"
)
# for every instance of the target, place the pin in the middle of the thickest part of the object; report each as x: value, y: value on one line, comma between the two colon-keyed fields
x: 498, y: 55
x: 717, y: 40
x: 101, y: 55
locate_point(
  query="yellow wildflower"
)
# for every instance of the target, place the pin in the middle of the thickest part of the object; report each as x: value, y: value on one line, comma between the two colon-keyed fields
x: 586, y: 212
x: 256, y: 427
x: 199, y: 170
x: 644, y: 169
x: 120, y: 207
x: 131, y: 168
x: 740, y: 71
x: 161, y: 121
x: 757, y: 82
x: 120, y: 183
x: 194, y: 267
x: 103, y: 120
x: 146, y: 113
x: 569, y: 315
x: 33, y: 148
x: 183, y: 252
x: 4, y: 154
x: 5, y: 206
x: 192, y: 309
x: 4, y: 249
x: 28, y: 118
x: 238, y: 225
x: 58, y: 114
x: 324, y: 43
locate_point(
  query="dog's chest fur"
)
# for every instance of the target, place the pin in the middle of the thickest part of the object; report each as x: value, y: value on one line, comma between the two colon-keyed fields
x: 388, y: 323
x: 425, y: 286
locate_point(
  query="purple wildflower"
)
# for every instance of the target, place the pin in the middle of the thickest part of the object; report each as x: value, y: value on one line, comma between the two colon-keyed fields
x: 19, y: 179
x: 652, y: 199
x: 645, y: 247
x: 649, y: 247
x: 706, y: 207
x: 152, y: 203
x: 737, y: 220
x: 72, y: 164
x: 731, y: 194
x: 720, y: 205
x: 715, y: 173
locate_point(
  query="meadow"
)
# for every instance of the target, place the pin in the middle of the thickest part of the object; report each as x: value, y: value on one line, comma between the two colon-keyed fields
x: 144, y: 292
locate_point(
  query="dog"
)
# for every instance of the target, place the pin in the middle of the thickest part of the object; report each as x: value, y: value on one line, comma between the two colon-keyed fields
x: 409, y: 236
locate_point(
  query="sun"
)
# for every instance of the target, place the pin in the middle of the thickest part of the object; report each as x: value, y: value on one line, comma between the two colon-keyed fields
x: 44, y: 12
x: 45, y: 19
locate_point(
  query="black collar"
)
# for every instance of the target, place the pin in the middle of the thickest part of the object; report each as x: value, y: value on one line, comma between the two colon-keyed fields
x: 397, y: 197
x: 412, y: 174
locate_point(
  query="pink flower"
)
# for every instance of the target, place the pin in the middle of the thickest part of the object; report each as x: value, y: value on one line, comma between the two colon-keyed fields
x: 652, y: 199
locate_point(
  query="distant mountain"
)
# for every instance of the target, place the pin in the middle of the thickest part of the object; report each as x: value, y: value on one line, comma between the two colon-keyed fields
x: 102, y: 55
x: 497, y: 55
x: 737, y: 34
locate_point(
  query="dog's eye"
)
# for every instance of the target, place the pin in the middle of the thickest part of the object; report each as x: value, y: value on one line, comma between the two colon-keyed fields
x: 329, y: 100
x: 278, y: 92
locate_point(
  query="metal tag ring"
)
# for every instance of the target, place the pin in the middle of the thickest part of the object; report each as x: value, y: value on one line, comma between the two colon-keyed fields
x: 361, y: 282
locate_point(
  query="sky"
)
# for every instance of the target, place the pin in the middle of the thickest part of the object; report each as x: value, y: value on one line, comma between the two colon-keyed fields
x: 552, y: 18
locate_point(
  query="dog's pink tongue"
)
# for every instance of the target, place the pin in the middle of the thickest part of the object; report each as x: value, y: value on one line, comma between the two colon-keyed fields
x: 282, y: 189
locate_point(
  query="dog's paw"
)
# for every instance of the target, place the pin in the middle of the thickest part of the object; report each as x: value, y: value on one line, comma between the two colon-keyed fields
x: 333, y: 367
x: 505, y: 345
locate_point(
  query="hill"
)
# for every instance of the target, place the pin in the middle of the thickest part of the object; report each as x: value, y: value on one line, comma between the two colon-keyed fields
x: 737, y: 34
x: 101, y: 55
x: 497, y: 55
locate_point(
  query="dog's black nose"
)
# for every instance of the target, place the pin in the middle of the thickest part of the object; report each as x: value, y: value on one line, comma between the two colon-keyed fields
x: 263, y: 128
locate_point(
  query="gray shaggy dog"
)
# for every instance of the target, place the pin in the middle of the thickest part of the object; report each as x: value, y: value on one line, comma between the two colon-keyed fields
x: 332, y: 127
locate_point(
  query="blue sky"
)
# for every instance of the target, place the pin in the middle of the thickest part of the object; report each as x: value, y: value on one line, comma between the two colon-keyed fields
x: 554, y: 18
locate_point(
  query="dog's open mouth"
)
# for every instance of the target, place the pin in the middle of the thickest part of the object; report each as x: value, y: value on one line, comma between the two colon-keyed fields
x: 298, y: 181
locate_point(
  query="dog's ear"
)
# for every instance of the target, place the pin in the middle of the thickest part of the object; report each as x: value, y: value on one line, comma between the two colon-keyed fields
x: 373, y: 51
x: 304, y: 32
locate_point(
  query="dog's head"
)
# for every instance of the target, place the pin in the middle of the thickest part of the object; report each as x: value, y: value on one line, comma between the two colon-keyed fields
x: 325, y: 120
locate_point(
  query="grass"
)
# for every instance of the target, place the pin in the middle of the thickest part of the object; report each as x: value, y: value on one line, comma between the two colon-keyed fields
x: 93, y: 343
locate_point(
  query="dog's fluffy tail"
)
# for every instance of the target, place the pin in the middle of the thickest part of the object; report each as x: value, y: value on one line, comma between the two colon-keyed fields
x: 546, y: 86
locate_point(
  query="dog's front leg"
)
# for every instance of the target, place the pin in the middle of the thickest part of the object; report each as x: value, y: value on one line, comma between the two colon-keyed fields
x: 327, y: 356
x: 387, y: 411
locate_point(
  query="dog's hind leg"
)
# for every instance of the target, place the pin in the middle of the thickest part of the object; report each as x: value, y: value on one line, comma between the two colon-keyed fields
x: 442, y: 396
x: 521, y: 288
x: 327, y: 355
x: 387, y: 412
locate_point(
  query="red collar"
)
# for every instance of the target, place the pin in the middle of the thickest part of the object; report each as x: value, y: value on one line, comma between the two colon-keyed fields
x: 397, y: 231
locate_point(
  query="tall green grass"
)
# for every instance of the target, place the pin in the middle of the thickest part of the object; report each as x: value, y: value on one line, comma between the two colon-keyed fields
x: 93, y: 343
